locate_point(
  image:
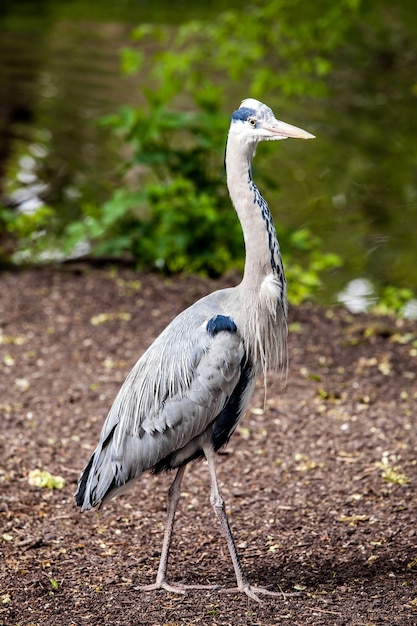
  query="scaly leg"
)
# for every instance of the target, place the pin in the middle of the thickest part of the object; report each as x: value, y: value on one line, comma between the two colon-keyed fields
x: 220, y: 510
x: 217, y: 501
x: 174, y: 494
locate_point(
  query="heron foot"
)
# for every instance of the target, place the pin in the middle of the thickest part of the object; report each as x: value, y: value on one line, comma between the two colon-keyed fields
x: 163, y: 584
x: 253, y: 592
x: 175, y: 587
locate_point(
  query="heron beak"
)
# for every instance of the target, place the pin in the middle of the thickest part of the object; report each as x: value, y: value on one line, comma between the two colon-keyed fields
x: 282, y: 130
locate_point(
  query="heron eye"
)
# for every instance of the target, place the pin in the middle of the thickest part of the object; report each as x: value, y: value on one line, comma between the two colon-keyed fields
x: 252, y: 121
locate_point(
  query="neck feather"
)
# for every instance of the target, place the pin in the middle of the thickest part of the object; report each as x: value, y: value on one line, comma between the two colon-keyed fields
x: 262, y: 292
x: 262, y: 249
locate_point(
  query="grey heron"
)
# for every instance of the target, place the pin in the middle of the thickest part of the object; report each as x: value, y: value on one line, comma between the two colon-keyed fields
x: 185, y: 396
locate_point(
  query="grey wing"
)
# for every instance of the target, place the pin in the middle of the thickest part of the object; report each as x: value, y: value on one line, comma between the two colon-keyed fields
x: 174, y: 392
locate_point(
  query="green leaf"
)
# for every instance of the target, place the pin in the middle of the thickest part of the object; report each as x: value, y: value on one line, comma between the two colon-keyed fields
x: 132, y: 60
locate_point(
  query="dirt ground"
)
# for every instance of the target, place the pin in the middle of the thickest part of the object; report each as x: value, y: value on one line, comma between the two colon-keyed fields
x: 321, y: 486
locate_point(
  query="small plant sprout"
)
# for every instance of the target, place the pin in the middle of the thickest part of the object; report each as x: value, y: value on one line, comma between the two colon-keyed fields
x: 390, y: 473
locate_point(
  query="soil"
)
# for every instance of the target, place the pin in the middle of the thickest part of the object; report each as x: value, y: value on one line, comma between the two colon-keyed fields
x: 320, y: 484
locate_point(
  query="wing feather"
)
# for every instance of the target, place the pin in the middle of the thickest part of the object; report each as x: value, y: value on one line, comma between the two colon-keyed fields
x: 173, y: 393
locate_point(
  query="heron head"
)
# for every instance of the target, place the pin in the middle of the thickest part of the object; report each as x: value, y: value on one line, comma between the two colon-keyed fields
x: 255, y: 121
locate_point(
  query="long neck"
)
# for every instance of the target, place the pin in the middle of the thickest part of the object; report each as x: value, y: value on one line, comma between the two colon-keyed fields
x: 261, y: 296
x: 263, y: 256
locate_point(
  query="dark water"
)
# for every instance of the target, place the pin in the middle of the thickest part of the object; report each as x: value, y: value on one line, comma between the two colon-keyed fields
x: 355, y: 188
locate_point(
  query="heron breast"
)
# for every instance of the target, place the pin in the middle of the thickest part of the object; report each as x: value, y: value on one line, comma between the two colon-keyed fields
x: 271, y: 294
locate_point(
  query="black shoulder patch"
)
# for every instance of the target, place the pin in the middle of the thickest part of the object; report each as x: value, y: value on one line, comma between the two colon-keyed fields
x: 219, y: 323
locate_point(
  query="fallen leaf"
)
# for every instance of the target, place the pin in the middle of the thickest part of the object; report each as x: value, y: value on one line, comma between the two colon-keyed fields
x: 43, y: 479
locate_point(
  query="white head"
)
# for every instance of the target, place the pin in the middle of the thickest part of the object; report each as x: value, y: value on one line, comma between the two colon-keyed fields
x: 253, y: 121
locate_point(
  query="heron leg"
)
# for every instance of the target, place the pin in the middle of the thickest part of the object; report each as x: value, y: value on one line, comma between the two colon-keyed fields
x: 174, y: 493
x: 218, y: 504
x: 217, y: 501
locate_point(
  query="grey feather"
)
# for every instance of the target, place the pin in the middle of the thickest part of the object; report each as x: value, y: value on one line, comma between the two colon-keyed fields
x: 175, y: 390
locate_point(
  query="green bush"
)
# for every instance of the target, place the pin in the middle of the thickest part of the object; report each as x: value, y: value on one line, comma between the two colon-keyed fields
x: 177, y: 215
x: 181, y: 217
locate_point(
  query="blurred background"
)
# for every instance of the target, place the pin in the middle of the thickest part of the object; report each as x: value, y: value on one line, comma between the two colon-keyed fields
x: 113, y: 120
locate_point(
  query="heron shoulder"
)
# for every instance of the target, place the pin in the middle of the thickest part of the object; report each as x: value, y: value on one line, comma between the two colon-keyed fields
x: 169, y: 366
